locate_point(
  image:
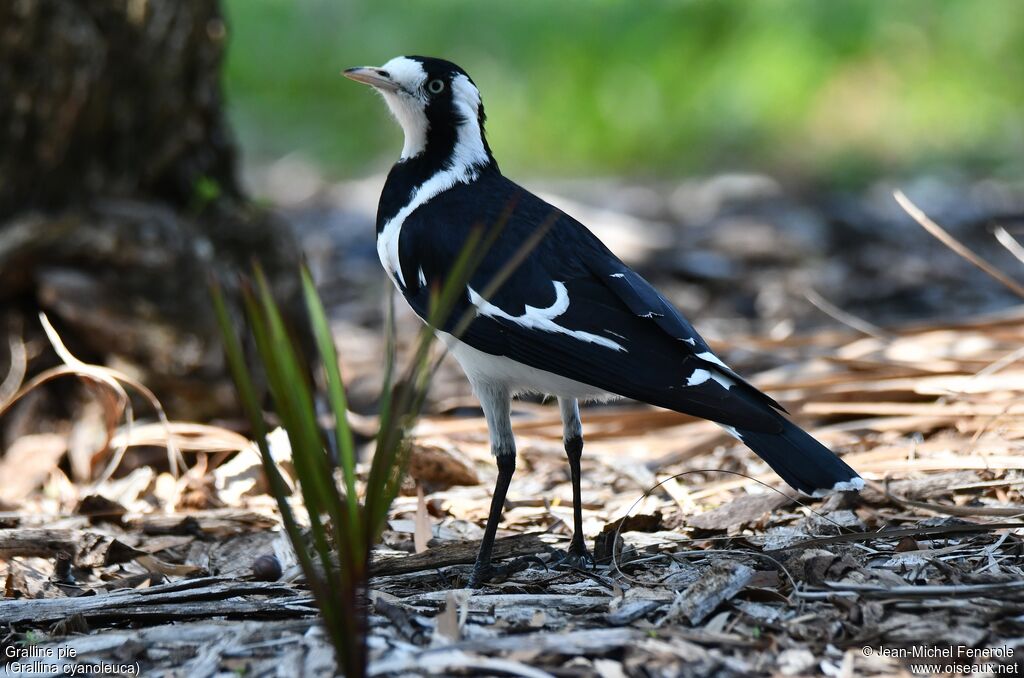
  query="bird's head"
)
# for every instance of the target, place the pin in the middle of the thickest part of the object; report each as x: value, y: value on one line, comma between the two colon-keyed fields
x: 437, y: 105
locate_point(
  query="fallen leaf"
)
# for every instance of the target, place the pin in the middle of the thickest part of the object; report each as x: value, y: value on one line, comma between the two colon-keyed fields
x: 438, y: 465
x: 28, y: 463
x: 99, y: 509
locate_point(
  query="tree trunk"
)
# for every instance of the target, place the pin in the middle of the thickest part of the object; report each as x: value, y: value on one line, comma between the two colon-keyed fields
x: 118, y: 186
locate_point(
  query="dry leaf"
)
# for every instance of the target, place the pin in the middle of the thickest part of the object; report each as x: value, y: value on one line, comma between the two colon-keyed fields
x: 438, y: 465
x: 423, y: 532
x: 28, y: 463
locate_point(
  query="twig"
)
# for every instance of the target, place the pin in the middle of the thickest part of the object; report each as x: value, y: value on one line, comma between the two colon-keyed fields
x: 952, y: 243
x: 915, y: 532
x: 927, y: 591
x: 1000, y: 511
x: 453, y: 661
x: 1010, y: 243
x: 845, y: 317
x: 16, y: 373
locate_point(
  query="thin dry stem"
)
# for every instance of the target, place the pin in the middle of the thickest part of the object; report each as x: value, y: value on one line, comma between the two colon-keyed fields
x: 1010, y: 243
x: 16, y: 374
x: 952, y: 243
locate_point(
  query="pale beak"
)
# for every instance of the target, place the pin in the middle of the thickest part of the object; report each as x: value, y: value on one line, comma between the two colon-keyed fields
x: 374, y: 77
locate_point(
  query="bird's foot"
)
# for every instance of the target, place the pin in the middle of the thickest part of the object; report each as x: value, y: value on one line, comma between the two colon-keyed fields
x: 485, y: 572
x: 575, y: 557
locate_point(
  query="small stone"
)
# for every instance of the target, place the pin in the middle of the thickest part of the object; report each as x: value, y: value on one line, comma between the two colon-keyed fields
x: 266, y: 568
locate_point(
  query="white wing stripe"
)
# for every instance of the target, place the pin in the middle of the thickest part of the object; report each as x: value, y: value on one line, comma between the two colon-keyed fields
x: 542, y: 319
x: 712, y: 358
x: 700, y: 375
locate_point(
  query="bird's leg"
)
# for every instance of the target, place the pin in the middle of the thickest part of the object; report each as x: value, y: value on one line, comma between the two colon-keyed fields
x: 577, y: 555
x: 484, y: 570
x: 496, y: 405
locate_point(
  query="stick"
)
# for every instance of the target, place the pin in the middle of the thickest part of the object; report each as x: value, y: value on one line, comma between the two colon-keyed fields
x: 952, y: 243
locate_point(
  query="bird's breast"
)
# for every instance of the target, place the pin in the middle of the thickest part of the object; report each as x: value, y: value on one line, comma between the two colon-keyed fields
x: 387, y: 252
x: 388, y: 237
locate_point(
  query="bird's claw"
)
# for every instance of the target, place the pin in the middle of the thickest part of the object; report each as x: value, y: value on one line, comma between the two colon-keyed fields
x: 576, y: 557
x: 483, y: 573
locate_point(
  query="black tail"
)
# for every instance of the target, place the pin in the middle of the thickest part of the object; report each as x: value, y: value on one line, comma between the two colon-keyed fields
x: 802, y: 461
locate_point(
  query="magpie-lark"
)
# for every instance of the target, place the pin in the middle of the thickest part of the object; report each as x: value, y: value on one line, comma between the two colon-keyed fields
x: 571, y: 320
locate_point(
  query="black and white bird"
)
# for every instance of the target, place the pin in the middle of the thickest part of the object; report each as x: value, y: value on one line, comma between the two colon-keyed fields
x: 570, y: 320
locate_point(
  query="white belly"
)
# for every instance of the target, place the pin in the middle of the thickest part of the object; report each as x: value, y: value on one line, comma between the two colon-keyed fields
x: 484, y: 369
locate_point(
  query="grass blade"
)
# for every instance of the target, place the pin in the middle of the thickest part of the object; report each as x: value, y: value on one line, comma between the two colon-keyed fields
x: 336, y: 394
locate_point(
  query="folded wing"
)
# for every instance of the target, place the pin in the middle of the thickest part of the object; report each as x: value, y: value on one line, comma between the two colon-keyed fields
x: 572, y: 308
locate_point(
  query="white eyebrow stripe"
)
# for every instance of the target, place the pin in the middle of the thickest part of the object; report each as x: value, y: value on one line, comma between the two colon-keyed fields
x: 542, y: 319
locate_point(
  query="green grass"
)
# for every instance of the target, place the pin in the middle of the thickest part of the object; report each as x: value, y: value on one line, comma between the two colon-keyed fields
x: 838, y: 88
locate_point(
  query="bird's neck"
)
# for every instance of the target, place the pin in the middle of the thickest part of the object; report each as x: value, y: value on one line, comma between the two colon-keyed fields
x: 451, y: 144
x: 459, y: 151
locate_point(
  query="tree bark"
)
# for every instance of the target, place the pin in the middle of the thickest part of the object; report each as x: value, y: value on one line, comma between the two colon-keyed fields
x: 119, y: 190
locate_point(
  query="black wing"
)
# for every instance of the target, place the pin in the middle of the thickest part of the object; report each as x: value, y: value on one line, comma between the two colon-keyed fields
x: 571, y: 307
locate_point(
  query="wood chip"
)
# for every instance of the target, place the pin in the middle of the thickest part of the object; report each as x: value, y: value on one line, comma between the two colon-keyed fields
x: 718, y: 583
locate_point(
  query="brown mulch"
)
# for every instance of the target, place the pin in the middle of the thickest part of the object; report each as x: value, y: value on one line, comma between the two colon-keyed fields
x: 700, y: 571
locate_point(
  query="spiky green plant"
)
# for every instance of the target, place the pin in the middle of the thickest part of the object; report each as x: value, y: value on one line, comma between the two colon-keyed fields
x: 342, y: 528
x: 339, y: 522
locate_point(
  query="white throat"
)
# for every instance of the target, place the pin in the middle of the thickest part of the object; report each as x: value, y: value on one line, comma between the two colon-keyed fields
x: 413, y: 121
x: 408, y: 104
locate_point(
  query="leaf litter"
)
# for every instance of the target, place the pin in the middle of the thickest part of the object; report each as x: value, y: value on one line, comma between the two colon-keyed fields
x: 706, y: 564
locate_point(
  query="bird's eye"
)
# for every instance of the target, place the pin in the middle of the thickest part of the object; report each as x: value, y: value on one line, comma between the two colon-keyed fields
x: 435, y: 86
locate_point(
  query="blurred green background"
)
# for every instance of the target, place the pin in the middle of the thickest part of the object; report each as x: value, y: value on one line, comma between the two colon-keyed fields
x: 833, y: 90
